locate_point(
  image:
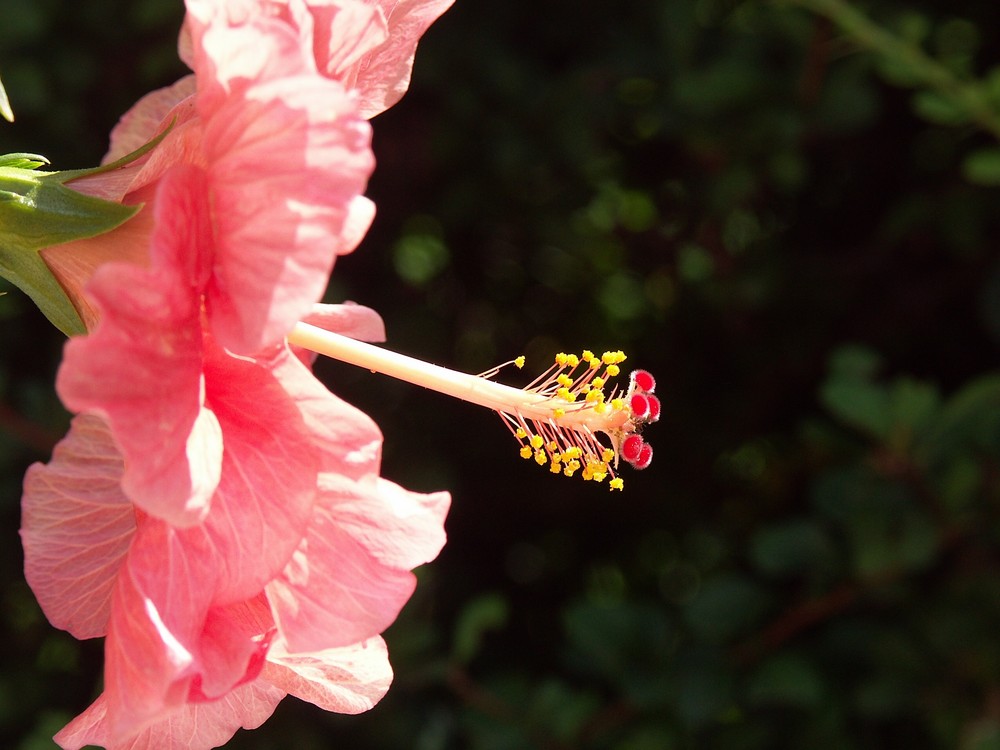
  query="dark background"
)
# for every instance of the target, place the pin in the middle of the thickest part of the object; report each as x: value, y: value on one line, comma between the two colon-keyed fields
x: 755, y: 210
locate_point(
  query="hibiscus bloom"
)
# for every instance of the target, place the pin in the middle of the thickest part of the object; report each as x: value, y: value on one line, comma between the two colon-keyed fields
x: 214, y: 511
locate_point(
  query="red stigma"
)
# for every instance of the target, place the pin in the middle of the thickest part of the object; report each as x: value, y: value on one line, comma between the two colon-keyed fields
x: 643, y: 380
x: 639, y: 404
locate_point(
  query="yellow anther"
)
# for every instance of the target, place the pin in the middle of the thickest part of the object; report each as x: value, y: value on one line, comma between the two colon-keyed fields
x: 573, y: 452
x: 519, y: 362
x: 566, y: 394
x: 521, y: 433
x: 601, y: 408
x: 599, y: 476
x: 594, y: 397
x: 607, y: 455
x: 613, y: 370
x: 608, y: 358
x: 616, y: 484
x: 572, y: 360
x: 555, y: 467
x: 537, y: 441
x: 598, y: 382
x: 525, y: 451
x: 552, y: 447
x: 571, y: 468
x: 564, y: 380
x: 540, y: 458
x: 594, y: 363
x: 561, y: 359
x: 558, y: 412
x: 617, y: 404
x: 587, y: 355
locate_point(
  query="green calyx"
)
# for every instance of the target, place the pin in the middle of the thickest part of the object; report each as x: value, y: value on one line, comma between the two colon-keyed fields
x: 37, y: 211
x: 5, y: 111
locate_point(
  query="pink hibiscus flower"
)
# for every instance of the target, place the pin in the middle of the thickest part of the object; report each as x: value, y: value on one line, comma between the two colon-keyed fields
x: 214, y: 511
x: 281, y: 160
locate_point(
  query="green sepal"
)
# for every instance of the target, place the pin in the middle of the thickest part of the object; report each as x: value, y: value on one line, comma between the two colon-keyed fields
x: 23, y: 161
x: 5, y: 111
x: 37, y: 211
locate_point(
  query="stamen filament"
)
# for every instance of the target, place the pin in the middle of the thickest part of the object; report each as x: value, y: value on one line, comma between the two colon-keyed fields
x: 556, y: 419
x: 472, y: 388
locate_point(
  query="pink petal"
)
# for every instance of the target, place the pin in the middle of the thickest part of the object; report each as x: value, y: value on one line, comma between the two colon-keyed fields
x: 401, y: 529
x: 342, y: 32
x: 140, y: 124
x: 169, y: 642
x: 384, y: 75
x: 288, y: 162
x: 148, y: 344
x: 348, y: 441
x: 223, y: 647
x: 347, y: 680
x: 160, y: 603
x: 265, y: 499
x: 194, y: 726
x: 76, y: 526
x: 350, y: 579
x: 182, y: 145
x: 360, y: 215
x: 334, y: 593
x: 233, y: 50
x: 349, y: 319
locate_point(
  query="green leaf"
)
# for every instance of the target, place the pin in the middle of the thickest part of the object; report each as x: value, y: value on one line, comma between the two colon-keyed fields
x: 726, y: 606
x: 982, y: 166
x: 485, y: 613
x: 628, y: 644
x: 936, y: 108
x: 694, y: 263
x: 792, y: 547
x: 38, y: 211
x: 898, y: 71
x: 786, y: 679
x: 970, y: 419
x: 855, y: 361
x: 914, y: 404
x: 858, y: 403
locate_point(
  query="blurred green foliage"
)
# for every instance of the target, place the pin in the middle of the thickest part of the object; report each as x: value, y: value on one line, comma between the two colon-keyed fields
x: 787, y: 212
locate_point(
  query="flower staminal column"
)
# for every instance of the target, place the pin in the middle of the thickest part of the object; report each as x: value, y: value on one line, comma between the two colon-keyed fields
x: 556, y: 419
